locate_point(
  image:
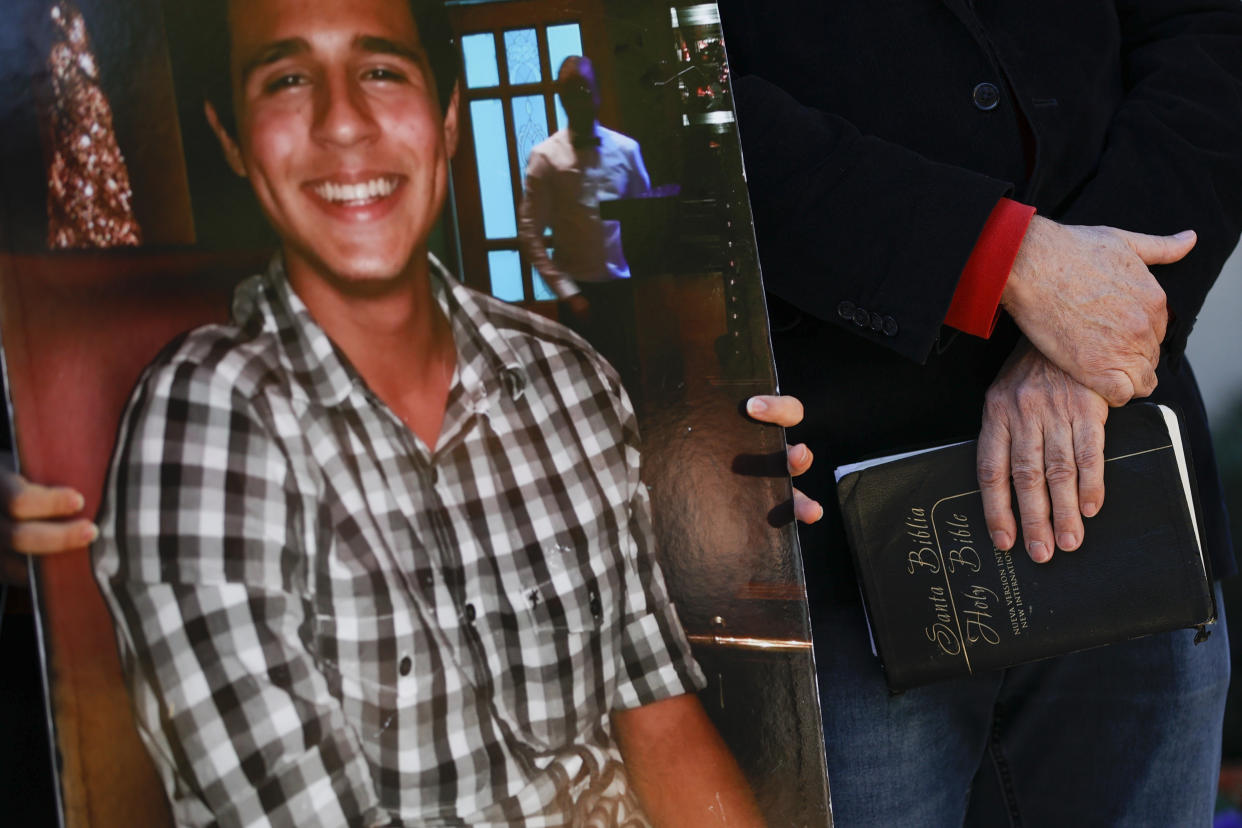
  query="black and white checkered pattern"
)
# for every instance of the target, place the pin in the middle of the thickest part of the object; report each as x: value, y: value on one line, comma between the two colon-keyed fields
x: 324, y: 623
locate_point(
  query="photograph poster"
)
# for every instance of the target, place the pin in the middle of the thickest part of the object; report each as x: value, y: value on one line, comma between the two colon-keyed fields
x: 596, y: 187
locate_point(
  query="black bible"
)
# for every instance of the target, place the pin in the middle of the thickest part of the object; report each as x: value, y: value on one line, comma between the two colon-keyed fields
x: 942, y: 601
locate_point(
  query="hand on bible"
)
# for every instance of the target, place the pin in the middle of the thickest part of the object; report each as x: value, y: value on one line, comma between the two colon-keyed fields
x: 1045, y: 431
x: 1085, y: 298
x: 787, y: 412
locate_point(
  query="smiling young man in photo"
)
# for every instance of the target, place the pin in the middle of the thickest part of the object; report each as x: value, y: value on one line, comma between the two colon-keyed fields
x: 377, y: 551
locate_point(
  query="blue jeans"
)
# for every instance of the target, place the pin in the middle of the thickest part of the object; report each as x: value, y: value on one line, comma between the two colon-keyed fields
x: 1117, y: 736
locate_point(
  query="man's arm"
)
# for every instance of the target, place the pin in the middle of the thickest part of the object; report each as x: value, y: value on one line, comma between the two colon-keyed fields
x: 680, y: 767
x: 803, y: 165
x: 1173, y: 158
x: 206, y: 586
x: 850, y: 221
x: 534, y: 216
x: 638, y: 183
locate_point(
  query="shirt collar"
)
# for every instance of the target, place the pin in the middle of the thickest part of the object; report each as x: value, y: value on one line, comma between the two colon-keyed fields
x: 486, y: 363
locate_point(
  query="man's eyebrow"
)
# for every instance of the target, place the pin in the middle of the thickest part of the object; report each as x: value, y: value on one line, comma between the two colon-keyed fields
x: 273, y: 52
x: 384, y: 46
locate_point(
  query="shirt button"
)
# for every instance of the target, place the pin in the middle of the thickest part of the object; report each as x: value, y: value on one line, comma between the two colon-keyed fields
x: 597, y: 608
x: 986, y: 96
x: 877, y: 322
x: 890, y: 326
x: 845, y: 310
x: 406, y: 666
x: 861, y: 318
x: 426, y: 578
x: 471, y: 614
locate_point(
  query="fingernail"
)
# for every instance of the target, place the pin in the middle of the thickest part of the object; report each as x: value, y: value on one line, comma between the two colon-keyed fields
x: 1067, y: 541
x: 92, y: 534
x: 1001, y: 540
x: 79, y: 502
x: 803, y: 453
x: 1184, y: 235
x: 756, y: 406
x: 1089, y: 509
x: 1038, y: 552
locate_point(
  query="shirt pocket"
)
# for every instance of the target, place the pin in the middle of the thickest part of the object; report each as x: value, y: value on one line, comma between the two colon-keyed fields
x: 557, y: 650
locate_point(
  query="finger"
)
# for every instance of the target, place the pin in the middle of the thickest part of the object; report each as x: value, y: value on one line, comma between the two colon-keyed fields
x: 1027, y: 466
x: 1114, y: 385
x: 805, y: 509
x: 782, y: 411
x: 30, y: 501
x: 992, y: 467
x: 1161, y: 249
x: 1089, y: 457
x: 41, y: 537
x: 800, y: 459
x: 1062, y: 476
x: 1145, y: 380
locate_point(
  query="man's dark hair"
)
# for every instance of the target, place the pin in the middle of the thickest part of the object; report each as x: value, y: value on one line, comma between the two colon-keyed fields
x: 214, y: 49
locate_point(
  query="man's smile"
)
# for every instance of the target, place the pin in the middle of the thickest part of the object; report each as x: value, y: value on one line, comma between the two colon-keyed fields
x: 361, y: 192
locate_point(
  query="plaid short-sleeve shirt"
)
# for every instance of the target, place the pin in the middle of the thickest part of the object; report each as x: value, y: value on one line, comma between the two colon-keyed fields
x: 324, y: 623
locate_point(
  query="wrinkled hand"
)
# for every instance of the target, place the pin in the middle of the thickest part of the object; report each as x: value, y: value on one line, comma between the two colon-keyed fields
x: 40, y: 520
x: 1085, y: 298
x: 787, y: 412
x: 1044, y: 430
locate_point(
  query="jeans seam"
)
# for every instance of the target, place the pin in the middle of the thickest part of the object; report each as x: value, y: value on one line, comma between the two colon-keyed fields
x: 1004, y: 775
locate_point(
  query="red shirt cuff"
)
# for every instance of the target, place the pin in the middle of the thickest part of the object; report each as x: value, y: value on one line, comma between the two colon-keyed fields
x: 976, y: 302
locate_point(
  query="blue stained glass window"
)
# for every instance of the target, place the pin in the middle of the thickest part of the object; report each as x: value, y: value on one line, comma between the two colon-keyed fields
x: 491, y: 152
x: 522, y: 55
x: 530, y: 121
x: 506, y: 268
x: 480, y: 54
x: 563, y: 41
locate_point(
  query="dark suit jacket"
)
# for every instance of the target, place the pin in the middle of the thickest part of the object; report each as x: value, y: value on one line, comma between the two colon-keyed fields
x: 879, y: 134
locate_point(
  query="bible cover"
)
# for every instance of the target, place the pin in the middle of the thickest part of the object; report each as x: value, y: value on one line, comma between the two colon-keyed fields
x: 942, y: 601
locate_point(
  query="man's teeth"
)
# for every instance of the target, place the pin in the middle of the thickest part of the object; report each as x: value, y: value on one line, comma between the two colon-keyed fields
x: 362, y: 191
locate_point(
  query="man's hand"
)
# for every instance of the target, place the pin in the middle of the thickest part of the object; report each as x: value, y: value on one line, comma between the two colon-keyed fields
x: 1085, y: 298
x: 787, y: 412
x: 40, y: 520
x: 1046, y: 431
x: 580, y: 307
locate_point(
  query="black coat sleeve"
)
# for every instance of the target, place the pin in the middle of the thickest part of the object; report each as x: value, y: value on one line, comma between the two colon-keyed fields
x: 848, y: 222
x: 1173, y: 156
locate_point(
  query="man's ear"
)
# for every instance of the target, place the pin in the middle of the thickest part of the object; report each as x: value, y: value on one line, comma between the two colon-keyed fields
x: 232, y: 153
x: 450, y: 120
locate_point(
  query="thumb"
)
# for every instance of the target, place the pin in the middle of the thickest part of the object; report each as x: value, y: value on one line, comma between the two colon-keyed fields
x: 1157, y: 250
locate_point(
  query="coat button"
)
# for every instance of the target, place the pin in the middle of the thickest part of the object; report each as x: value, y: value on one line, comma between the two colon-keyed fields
x: 986, y: 96
x: 845, y: 310
x: 890, y: 326
x: 406, y: 666
x: 861, y: 318
x: 877, y: 322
